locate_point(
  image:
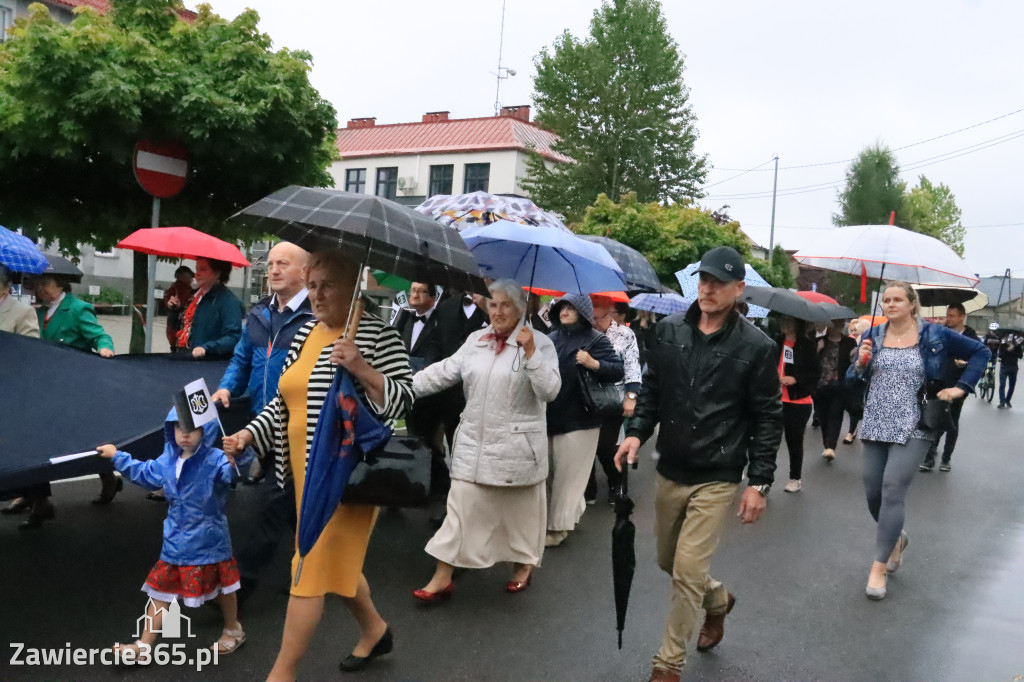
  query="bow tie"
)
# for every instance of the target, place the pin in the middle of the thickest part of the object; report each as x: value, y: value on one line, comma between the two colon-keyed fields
x: 421, y: 318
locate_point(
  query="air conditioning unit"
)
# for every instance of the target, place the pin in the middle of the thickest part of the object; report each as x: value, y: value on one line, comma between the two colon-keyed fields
x: 407, y: 184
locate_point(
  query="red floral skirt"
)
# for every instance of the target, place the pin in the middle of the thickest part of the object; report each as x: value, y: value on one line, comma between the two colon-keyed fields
x: 191, y: 585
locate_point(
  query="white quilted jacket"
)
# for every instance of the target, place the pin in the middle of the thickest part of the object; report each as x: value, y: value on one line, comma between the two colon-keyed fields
x: 503, y: 438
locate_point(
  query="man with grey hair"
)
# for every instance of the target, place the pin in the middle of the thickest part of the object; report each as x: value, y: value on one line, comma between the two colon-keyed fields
x: 15, y: 317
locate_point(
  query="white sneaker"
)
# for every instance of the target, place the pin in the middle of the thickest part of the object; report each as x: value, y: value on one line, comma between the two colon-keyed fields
x: 793, y: 486
x: 829, y: 454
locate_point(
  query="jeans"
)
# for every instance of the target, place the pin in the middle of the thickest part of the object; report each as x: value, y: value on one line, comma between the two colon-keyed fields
x: 955, y: 408
x: 888, y: 470
x: 1006, y: 375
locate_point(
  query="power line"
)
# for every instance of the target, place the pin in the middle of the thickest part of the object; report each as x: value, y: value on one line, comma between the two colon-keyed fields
x: 738, y: 175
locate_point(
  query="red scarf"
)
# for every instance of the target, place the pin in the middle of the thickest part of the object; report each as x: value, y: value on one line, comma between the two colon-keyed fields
x: 185, y: 332
x: 500, y: 339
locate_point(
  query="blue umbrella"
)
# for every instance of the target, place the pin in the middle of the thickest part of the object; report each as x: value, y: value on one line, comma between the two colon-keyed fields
x: 688, y: 283
x: 663, y: 304
x: 344, y: 431
x: 19, y: 254
x: 543, y: 257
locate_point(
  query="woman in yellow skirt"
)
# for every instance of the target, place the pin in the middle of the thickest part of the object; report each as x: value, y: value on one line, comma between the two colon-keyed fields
x: 379, y: 363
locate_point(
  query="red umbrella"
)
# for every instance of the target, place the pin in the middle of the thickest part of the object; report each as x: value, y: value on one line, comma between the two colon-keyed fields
x: 613, y: 296
x: 182, y: 242
x: 815, y: 297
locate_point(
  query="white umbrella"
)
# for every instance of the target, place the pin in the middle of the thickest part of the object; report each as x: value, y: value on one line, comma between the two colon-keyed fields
x: 887, y: 251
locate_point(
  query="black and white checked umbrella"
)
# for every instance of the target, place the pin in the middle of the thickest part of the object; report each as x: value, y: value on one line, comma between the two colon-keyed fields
x: 639, y: 273
x: 374, y: 231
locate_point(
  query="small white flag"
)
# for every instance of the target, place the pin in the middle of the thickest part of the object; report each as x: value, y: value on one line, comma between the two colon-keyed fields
x: 194, y: 404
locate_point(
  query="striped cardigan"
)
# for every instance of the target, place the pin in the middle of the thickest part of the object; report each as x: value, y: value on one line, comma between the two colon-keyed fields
x: 381, y: 346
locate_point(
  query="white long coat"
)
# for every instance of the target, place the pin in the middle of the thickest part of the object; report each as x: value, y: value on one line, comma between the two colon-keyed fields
x: 503, y: 439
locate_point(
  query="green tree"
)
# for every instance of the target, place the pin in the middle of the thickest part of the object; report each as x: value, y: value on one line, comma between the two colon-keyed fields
x: 75, y: 99
x: 672, y: 237
x: 617, y: 101
x: 776, y: 269
x: 932, y: 210
x: 873, y: 189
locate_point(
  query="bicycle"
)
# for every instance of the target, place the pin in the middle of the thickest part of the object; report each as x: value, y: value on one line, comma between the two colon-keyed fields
x: 987, y: 384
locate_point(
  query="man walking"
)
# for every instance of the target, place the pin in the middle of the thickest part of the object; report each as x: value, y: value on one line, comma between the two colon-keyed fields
x: 956, y: 319
x: 712, y: 382
x: 255, y: 368
x: 1011, y: 349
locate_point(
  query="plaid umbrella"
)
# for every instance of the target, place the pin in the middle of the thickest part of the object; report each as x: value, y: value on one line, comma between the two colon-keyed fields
x: 19, y: 254
x: 480, y: 208
x: 663, y: 304
x: 374, y: 231
x: 640, y: 274
x: 688, y: 283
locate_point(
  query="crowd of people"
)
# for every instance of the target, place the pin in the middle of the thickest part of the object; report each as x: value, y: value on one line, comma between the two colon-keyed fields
x: 494, y: 387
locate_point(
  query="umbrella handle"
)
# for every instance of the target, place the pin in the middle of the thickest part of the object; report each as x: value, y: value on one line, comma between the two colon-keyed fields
x: 298, y: 572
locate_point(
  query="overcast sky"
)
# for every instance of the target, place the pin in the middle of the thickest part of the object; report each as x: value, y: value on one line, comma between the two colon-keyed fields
x: 813, y: 82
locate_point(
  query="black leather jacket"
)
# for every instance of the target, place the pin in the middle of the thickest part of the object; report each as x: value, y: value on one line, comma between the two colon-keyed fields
x: 717, y: 399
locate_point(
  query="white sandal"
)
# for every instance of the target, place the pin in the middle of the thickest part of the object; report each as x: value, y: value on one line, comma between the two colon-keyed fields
x: 229, y: 641
x: 135, y: 646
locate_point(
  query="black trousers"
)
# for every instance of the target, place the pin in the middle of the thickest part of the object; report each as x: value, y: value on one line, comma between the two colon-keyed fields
x: 955, y: 408
x: 794, y: 424
x: 829, y: 405
x: 278, y: 520
x: 607, y: 444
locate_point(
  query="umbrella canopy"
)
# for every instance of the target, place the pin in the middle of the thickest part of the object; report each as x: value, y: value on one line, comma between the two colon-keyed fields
x: 389, y: 281
x: 874, y: 320
x: 663, y: 304
x: 836, y: 311
x: 20, y: 254
x: 182, y: 242
x: 878, y: 251
x: 688, y: 281
x: 481, y: 208
x: 543, y: 257
x: 623, y: 552
x: 933, y: 300
x: 374, y: 231
x: 785, y: 302
x: 816, y: 297
x: 344, y: 430
x: 58, y: 265
x: 639, y: 273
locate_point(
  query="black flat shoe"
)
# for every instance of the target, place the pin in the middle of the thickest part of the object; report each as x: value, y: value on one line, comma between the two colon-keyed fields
x: 38, y: 516
x: 109, y: 491
x: 253, y: 480
x: 156, y: 498
x: 353, y: 663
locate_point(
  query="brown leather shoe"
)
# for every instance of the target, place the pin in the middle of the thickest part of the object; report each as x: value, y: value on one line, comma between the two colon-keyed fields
x: 662, y: 675
x: 713, y: 630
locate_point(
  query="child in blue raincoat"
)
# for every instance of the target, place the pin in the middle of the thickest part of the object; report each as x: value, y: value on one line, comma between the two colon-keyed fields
x: 196, y: 562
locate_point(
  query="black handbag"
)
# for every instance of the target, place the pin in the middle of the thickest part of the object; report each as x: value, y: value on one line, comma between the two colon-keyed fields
x: 599, y: 398
x: 934, y: 413
x: 394, y: 475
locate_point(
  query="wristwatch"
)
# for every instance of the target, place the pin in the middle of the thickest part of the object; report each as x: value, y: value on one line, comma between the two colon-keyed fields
x: 762, y: 488
x: 631, y: 395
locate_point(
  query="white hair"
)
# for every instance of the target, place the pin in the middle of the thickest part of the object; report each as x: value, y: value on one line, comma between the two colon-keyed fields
x: 513, y: 290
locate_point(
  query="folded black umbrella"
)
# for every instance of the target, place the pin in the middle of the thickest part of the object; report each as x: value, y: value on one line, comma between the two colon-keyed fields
x: 785, y: 302
x: 623, y: 552
x: 372, y: 230
x: 638, y: 271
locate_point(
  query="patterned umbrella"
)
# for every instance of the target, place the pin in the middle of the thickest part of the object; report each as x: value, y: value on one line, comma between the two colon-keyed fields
x: 374, y: 231
x: 480, y: 208
x: 640, y: 274
x: 688, y: 283
x: 19, y: 254
x: 663, y: 304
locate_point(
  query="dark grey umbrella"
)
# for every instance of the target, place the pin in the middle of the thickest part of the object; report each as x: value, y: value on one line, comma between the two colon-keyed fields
x: 59, y: 265
x: 785, y: 302
x: 374, y: 231
x: 640, y: 274
x: 836, y: 311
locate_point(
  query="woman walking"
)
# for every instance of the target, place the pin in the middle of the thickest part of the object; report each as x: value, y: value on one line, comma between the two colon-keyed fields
x: 798, y: 374
x: 497, y: 505
x: 901, y: 361
x: 834, y: 351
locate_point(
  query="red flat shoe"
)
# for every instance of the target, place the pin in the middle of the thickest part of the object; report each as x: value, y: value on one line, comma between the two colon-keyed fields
x: 513, y: 586
x: 425, y: 595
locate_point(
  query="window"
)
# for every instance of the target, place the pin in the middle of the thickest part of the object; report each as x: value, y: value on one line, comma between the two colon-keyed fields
x: 355, y: 180
x: 477, y: 177
x: 441, y: 179
x: 387, y: 183
x: 6, y: 20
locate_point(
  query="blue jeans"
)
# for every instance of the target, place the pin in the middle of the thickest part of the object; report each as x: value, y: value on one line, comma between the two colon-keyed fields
x: 1006, y: 374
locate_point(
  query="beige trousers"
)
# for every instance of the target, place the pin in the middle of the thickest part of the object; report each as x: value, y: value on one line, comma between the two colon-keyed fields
x: 572, y: 460
x: 688, y: 526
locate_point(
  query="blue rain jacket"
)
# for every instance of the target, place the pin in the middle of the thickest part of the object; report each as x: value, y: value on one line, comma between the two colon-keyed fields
x: 196, y: 527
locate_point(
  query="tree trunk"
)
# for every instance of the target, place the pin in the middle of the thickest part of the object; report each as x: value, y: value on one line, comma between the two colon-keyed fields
x: 140, y: 285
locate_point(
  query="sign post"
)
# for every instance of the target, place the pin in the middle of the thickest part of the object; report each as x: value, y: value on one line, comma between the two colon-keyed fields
x: 161, y: 169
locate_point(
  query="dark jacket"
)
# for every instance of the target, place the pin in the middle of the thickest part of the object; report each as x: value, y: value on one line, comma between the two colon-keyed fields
x: 805, y: 367
x: 1010, y: 351
x: 846, y: 348
x: 566, y: 413
x: 427, y: 349
x: 717, y: 398
x: 454, y: 326
x: 259, y: 358
x: 217, y: 324
x: 938, y: 345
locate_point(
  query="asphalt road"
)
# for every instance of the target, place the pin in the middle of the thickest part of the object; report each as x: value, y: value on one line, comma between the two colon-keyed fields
x: 954, y: 612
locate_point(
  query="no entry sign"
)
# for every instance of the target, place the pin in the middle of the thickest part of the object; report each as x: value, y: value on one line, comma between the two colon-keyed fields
x: 160, y: 167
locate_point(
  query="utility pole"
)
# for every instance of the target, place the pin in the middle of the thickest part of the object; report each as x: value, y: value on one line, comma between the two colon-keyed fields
x: 771, y: 235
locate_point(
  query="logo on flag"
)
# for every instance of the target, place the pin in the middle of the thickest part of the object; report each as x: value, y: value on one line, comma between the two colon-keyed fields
x: 194, y: 405
x: 197, y: 402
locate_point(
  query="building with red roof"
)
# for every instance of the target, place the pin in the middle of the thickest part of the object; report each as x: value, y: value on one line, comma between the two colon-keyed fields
x: 409, y: 162
x: 61, y: 10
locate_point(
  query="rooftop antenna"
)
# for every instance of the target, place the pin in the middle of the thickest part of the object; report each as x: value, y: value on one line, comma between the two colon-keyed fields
x: 503, y: 71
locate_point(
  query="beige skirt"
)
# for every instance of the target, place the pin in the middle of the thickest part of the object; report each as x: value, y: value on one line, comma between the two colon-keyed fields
x: 486, y: 524
x: 572, y: 460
